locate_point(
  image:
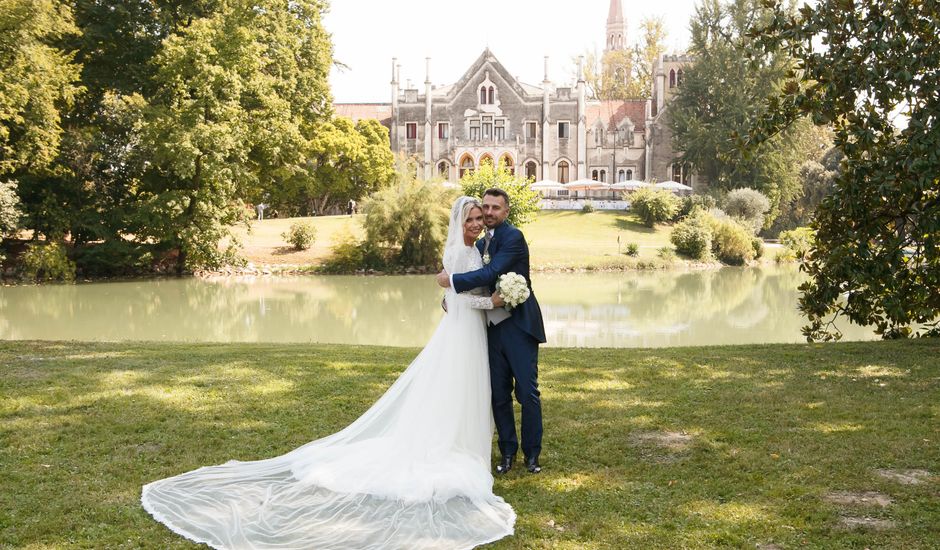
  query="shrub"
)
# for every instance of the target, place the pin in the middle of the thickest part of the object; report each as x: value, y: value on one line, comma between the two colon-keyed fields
x: 587, y: 208
x: 799, y: 241
x: 654, y: 205
x: 785, y: 255
x: 349, y: 254
x: 524, y: 202
x: 667, y: 253
x: 748, y: 205
x: 758, y: 245
x: 693, y: 236
x: 46, y: 262
x: 633, y: 250
x: 731, y: 242
x: 300, y: 235
x: 409, y: 219
x: 114, y: 257
x: 696, y: 202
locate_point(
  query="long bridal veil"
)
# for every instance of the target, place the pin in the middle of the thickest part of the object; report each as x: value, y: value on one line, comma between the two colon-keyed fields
x: 411, y: 472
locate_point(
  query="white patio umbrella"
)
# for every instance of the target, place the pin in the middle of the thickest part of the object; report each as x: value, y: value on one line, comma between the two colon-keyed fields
x: 629, y: 185
x: 546, y: 185
x: 672, y: 186
x: 585, y: 185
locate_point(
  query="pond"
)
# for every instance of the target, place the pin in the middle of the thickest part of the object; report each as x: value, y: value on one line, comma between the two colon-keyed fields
x: 631, y: 309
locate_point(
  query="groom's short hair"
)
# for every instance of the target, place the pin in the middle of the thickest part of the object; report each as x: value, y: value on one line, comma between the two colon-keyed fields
x: 497, y: 192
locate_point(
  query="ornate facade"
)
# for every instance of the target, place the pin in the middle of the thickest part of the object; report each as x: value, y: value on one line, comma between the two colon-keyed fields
x: 544, y: 131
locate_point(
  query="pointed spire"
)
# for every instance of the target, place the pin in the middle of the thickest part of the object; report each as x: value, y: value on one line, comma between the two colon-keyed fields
x: 616, y: 13
x: 616, y: 38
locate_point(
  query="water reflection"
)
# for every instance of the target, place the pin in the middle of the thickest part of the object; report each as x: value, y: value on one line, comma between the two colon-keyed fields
x: 648, y: 309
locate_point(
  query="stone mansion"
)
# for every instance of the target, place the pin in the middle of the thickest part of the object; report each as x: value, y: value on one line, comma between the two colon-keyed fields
x: 546, y: 132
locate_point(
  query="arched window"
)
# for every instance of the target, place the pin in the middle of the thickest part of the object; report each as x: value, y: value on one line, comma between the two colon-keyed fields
x: 594, y: 175
x: 563, y: 172
x: 679, y: 78
x: 672, y: 78
x: 506, y: 161
x: 466, y: 165
x: 486, y: 159
x: 599, y: 137
x: 442, y: 170
x: 530, y: 169
x: 492, y: 96
x: 629, y: 175
x: 621, y: 176
x: 603, y: 176
x: 483, y: 95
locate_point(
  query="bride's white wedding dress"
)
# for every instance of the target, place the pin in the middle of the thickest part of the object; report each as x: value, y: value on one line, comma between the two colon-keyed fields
x: 412, y: 472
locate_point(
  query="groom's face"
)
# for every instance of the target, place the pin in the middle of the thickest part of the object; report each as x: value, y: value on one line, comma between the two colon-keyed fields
x: 495, y: 211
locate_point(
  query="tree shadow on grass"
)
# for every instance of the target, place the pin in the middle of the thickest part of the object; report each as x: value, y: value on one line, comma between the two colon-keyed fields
x: 632, y: 223
x: 770, y: 429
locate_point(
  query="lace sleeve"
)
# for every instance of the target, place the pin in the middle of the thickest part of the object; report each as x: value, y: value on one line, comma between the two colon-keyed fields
x: 474, y: 301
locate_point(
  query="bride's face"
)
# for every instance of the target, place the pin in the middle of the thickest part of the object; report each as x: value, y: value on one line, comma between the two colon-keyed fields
x: 474, y: 224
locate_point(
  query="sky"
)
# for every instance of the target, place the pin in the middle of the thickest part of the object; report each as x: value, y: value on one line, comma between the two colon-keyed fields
x: 367, y: 34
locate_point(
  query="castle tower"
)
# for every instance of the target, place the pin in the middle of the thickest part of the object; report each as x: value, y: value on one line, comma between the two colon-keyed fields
x: 616, y: 28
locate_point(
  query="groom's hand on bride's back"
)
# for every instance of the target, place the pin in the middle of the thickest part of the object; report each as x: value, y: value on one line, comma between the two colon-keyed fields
x: 443, y: 279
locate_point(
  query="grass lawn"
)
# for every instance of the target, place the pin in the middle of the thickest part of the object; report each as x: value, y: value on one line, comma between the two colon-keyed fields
x: 557, y: 239
x: 782, y: 446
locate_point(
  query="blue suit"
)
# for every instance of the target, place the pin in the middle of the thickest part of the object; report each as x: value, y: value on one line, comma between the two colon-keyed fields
x: 513, y: 344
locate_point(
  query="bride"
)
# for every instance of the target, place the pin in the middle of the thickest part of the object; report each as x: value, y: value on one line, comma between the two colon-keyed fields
x: 412, y: 472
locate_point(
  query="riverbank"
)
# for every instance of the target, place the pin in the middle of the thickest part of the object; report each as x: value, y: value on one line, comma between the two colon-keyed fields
x: 821, y: 446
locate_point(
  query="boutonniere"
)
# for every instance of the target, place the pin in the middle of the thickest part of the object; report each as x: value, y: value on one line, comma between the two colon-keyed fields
x: 486, y: 258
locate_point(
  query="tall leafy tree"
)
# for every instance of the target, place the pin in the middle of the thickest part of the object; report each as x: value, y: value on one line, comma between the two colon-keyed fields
x: 723, y: 91
x: 347, y: 161
x: 238, y: 94
x: 626, y: 74
x: 37, y: 82
x: 645, y: 55
x: 871, y: 69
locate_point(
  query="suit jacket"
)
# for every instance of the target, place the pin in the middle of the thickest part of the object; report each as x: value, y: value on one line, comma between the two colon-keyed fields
x: 508, y: 252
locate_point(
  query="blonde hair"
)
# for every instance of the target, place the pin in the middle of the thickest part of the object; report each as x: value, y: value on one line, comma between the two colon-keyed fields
x: 468, y: 207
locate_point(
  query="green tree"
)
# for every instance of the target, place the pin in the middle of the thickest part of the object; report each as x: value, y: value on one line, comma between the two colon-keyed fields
x: 646, y: 53
x: 876, y: 256
x: 626, y: 74
x: 409, y: 219
x: 723, y: 91
x: 524, y: 202
x: 37, y: 82
x: 9, y: 208
x: 38, y: 86
x: 9, y: 211
x: 239, y: 93
x: 347, y: 162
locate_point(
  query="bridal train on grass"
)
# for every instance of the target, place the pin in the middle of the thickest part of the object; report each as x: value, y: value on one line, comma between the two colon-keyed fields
x: 412, y: 472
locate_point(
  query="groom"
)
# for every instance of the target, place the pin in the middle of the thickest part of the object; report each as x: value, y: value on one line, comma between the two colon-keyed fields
x: 513, y: 337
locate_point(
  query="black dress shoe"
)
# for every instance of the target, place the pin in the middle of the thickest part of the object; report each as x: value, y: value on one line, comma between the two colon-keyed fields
x: 505, y: 464
x: 532, y: 464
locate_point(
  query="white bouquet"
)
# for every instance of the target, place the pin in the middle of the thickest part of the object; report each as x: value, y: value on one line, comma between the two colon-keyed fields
x: 513, y: 288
